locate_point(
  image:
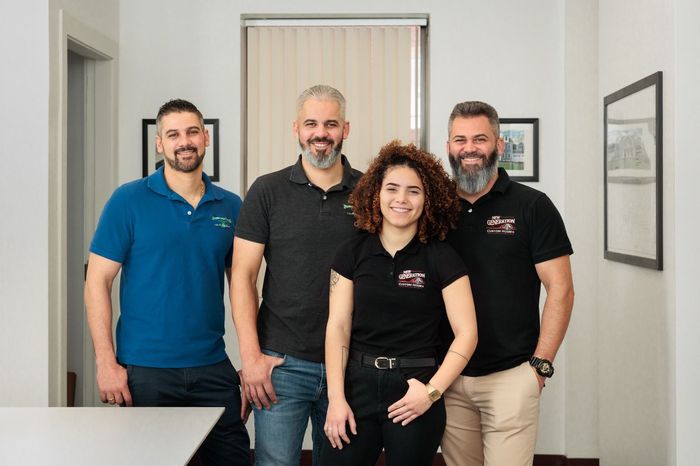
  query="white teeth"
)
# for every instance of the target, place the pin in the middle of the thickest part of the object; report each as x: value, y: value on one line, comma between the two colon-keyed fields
x: 400, y: 209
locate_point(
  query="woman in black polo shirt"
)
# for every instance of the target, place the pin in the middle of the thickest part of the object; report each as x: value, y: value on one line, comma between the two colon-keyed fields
x: 390, y: 289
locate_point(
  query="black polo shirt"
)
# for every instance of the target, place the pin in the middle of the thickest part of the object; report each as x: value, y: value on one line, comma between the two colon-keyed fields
x: 501, y: 237
x: 398, y: 305
x: 300, y: 226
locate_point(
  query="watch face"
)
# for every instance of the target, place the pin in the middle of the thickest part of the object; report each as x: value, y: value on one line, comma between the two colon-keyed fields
x: 433, y: 393
x: 546, y: 369
x: 543, y: 367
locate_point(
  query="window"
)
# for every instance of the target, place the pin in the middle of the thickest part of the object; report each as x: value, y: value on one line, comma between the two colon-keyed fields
x: 378, y: 65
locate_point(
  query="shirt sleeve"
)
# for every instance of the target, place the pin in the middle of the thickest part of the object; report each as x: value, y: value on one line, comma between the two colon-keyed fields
x: 344, y: 259
x: 235, y: 212
x: 254, y: 219
x: 114, y: 234
x: 548, y: 238
x: 450, y: 266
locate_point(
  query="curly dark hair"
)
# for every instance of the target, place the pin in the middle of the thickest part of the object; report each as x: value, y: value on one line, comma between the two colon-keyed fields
x: 441, y: 200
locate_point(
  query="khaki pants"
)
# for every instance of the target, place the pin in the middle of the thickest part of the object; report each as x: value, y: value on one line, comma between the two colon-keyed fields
x: 492, y: 419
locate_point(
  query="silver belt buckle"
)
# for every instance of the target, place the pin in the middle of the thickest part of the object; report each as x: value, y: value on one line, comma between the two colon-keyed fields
x: 384, y: 363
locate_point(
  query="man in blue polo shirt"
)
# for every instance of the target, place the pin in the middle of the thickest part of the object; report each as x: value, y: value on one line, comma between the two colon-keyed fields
x: 171, y: 234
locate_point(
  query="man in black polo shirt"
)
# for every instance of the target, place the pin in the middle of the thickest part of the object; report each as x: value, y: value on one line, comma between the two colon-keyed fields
x: 512, y: 240
x: 294, y: 218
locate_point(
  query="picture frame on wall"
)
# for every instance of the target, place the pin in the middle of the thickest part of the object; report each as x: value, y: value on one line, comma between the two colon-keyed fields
x: 633, y: 176
x: 152, y: 160
x: 521, y: 153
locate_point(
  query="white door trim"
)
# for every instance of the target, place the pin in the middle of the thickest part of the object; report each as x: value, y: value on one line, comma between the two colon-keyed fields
x: 68, y: 33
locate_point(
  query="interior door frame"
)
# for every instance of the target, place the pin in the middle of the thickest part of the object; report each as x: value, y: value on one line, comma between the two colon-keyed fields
x: 67, y: 33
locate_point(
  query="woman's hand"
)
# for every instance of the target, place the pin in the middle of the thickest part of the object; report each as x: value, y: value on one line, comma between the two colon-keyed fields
x: 414, y: 403
x: 338, y: 414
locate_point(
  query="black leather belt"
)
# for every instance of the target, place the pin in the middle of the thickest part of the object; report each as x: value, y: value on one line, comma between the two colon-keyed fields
x: 386, y: 363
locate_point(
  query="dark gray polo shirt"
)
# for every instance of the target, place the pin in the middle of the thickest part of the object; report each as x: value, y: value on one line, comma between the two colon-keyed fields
x: 300, y: 226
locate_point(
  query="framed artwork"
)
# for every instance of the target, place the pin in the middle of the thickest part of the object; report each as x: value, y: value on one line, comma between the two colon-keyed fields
x: 633, y: 174
x: 152, y: 160
x: 521, y: 154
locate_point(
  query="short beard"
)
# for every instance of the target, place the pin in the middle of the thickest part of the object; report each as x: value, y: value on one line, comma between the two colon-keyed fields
x: 177, y: 165
x: 474, y: 181
x: 321, y: 162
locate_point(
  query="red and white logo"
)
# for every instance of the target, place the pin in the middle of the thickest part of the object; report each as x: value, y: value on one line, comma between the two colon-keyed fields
x: 497, y: 225
x: 412, y: 279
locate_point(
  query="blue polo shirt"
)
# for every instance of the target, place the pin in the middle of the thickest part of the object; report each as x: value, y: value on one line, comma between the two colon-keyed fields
x: 173, y: 260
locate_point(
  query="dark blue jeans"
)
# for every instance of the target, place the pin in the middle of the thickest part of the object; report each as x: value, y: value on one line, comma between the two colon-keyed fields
x: 370, y: 392
x: 215, y: 385
x: 300, y: 386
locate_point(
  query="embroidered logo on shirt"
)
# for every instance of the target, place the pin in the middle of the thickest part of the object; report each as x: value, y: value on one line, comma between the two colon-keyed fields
x: 221, y: 222
x: 497, y: 225
x: 412, y: 279
x: 347, y: 208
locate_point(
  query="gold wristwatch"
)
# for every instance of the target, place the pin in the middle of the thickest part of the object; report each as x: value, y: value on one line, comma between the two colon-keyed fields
x: 433, y: 393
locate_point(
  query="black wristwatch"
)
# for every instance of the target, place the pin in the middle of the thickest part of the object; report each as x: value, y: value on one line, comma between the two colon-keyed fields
x: 542, y: 366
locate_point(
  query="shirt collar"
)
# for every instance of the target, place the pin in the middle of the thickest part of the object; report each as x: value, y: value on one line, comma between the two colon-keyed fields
x: 156, y: 182
x: 503, y: 181
x: 298, y: 175
x: 376, y: 247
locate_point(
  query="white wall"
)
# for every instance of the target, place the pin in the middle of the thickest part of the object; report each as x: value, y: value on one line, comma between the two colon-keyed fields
x: 24, y: 205
x: 510, y: 54
x: 687, y: 345
x: 583, y: 169
x: 30, y: 42
x: 636, y: 305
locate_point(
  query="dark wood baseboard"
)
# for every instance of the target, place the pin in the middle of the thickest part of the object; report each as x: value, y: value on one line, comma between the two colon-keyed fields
x: 583, y: 462
x: 540, y: 460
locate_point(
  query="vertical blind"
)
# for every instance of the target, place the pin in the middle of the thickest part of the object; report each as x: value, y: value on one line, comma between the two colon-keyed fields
x: 377, y: 68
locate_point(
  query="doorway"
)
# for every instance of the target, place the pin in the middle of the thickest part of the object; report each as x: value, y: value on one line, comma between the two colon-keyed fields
x: 82, y: 175
x: 80, y: 223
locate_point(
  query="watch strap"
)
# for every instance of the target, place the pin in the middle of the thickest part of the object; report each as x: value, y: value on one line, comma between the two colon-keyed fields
x: 544, y: 367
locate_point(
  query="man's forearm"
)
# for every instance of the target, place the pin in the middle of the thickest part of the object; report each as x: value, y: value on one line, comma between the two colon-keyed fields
x: 555, y: 321
x: 98, y: 306
x: 244, y: 307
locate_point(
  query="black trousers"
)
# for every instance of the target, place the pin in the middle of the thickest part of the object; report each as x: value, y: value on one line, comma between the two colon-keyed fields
x: 369, y: 393
x: 215, y: 385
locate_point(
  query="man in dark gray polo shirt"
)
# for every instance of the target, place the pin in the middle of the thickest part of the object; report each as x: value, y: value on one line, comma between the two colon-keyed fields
x: 294, y: 218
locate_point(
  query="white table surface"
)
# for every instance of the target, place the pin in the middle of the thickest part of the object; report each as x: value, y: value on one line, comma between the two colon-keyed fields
x: 103, y: 436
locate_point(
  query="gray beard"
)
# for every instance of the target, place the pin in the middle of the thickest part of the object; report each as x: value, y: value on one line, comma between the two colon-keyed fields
x: 321, y: 162
x: 472, y: 182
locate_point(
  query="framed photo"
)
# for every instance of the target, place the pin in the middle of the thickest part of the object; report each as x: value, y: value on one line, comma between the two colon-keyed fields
x: 521, y: 154
x: 633, y: 174
x: 152, y: 160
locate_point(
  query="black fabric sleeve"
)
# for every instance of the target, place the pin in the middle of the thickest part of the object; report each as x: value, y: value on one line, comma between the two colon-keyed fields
x: 449, y: 265
x: 344, y: 260
x: 548, y: 234
x: 254, y: 220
